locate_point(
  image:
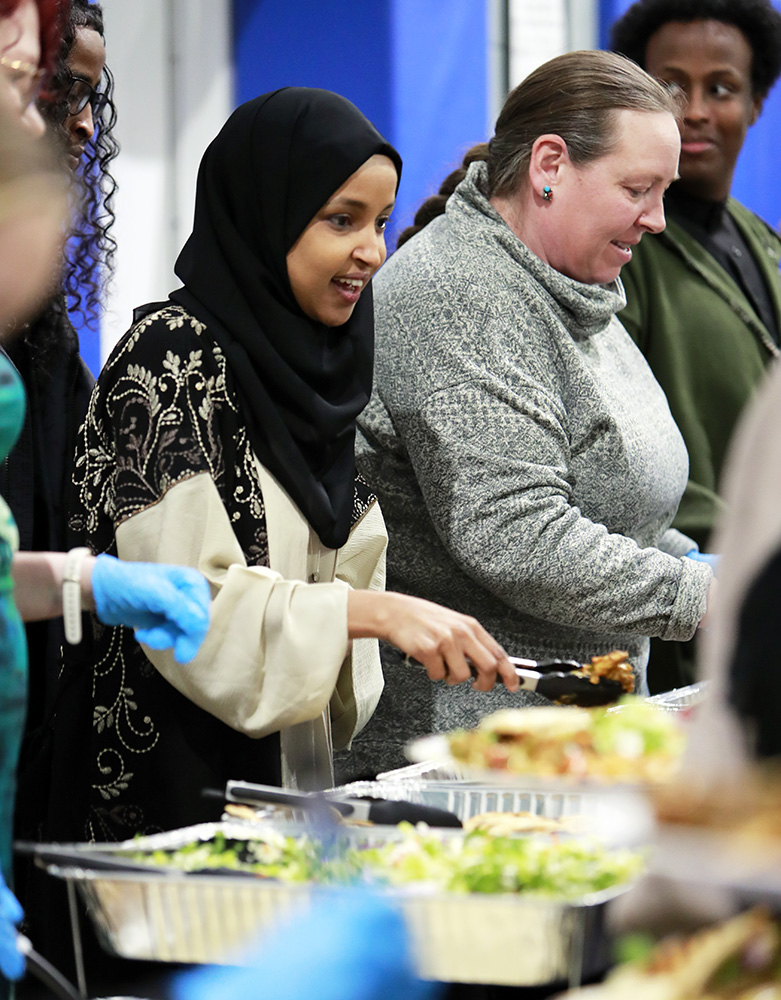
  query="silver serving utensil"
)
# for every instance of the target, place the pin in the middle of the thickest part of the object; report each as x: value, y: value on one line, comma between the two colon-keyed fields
x: 383, y: 811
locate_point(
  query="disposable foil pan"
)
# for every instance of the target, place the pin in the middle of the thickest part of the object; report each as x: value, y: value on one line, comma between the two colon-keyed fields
x: 617, y: 817
x: 502, y: 939
x: 430, y: 770
x: 467, y: 799
x: 681, y: 699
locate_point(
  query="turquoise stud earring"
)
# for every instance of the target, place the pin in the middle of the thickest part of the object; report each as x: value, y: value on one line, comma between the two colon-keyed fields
x: 547, y: 194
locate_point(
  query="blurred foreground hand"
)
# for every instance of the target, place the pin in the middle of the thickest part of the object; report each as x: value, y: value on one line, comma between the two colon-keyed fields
x: 11, y: 959
x: 351, y: 945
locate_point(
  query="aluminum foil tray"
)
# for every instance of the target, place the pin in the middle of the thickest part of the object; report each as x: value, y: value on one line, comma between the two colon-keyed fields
x: 617, y: 818
x: 467, y: 799
x: 681, y: 699
x: 502, y: 939
x: 430, y: 770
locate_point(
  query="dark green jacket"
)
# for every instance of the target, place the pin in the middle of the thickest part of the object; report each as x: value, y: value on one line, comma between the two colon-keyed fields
x: 705, y: 344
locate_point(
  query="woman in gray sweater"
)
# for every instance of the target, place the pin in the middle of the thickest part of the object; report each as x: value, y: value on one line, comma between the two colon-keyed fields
x: 525, y: 457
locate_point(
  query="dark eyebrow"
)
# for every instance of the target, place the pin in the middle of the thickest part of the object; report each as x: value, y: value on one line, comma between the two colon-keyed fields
x: 355, y: 203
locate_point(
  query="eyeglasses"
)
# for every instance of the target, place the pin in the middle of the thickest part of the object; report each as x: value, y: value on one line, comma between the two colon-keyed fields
x: 25, y: 77
x: 80, y: 94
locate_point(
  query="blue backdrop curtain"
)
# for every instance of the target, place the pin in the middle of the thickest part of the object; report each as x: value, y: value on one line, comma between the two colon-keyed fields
x: 416, y: 69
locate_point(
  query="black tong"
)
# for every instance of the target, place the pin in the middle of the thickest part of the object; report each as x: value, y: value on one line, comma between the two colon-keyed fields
x: 555, y: 679
x: 384, y: 811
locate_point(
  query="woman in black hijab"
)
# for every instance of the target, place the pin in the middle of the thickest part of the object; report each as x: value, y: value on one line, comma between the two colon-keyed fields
x: 301, y: 386
x: 220, y: 435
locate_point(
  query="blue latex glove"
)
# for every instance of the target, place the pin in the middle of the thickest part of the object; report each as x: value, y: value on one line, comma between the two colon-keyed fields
x: 168, y: 606
x: 11, y: 959
x: 706, y: 557
x: 351, y: 945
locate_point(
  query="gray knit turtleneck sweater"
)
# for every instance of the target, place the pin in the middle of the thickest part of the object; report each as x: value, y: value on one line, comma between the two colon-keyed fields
x: 526, y: 463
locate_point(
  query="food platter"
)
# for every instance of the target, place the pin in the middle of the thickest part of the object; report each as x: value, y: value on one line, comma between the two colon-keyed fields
x: 622, y: 817
x: 500, y: 938
x: 736, y: 958
x: 466, y: 799
x: 725, y: 835
x: 617, y: 813
x: 634, y: 745
x: 434, y: 750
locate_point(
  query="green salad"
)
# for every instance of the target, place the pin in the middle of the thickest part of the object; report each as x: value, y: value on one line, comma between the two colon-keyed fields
x: 475, y: 862
x: 273, y: 855
x: 636, y: 730
x: 479, y: 862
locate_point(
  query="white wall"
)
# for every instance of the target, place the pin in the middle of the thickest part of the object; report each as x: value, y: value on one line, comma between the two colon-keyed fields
x: 174, y: 90
x: 542, y: 29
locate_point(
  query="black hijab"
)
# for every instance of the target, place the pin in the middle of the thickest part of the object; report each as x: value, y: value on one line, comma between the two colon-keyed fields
x: 277, y: 160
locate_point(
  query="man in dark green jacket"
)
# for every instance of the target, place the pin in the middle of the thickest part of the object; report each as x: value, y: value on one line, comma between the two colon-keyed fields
x: 704, y: 296
x: 705, y: 343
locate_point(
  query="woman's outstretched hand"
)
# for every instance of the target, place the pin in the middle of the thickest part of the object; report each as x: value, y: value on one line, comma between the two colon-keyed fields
x: 443, y: 640
x: 168, y: 606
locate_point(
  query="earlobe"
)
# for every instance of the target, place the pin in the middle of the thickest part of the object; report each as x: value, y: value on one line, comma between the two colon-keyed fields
x: 549, y: 154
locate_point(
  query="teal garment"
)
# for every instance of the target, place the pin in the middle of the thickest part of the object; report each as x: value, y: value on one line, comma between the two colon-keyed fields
x: 704, y: 343
x: 13, y: 645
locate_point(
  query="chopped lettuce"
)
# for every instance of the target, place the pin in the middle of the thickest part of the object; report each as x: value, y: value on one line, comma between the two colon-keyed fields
x: 475, y: 862
x: 637, y: 729
x: 481, y: 863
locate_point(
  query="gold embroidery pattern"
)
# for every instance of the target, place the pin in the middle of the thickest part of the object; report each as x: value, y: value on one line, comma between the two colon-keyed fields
x: 160, y: 416
x: 164, y: 410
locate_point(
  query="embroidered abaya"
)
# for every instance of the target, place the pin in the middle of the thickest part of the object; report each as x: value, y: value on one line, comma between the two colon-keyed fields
x: 220, y: 435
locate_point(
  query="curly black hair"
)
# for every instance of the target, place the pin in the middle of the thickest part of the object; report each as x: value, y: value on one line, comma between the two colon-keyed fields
x: 90, y: 259
x: 759, y: 21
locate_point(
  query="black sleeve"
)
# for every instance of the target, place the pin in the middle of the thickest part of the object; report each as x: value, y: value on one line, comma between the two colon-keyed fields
x: 755, y: 677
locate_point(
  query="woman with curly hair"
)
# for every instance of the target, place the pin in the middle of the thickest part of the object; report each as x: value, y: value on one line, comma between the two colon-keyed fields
x: 80, y: 105
x: 704, y: 296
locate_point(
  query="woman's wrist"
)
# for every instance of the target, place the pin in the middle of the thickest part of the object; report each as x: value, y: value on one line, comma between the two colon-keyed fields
x: 367, y: 614
x: 38, y: 584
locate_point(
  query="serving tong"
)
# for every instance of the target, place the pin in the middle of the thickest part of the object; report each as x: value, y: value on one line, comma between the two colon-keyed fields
x: 383, y: 811
x: 553, y: 679
x: 90, y: 858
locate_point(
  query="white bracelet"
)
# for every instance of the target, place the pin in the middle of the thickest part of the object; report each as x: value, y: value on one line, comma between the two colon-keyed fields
x: 71, y: 594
